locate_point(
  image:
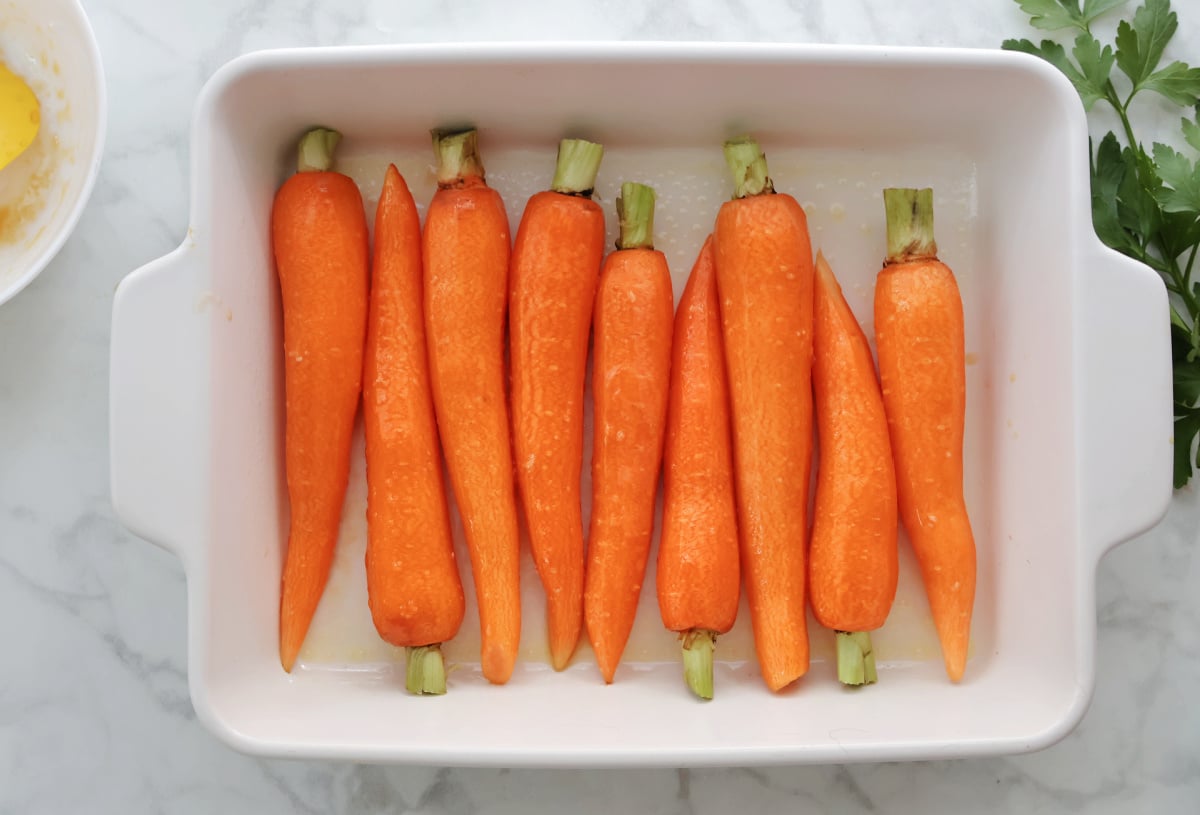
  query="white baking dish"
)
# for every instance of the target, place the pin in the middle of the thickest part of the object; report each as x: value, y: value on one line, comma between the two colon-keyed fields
x: 1069, y: 425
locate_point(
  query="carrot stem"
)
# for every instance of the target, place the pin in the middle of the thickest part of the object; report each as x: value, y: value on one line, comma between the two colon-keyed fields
x: 426, y: 674
x: 635, y: 211
x: 909, y: 224
x: 576, y: 168
x: 458, y: 158
x: 698, y: 645
x: 855, y: 658
x: 749, y: 166
x: 316, y: 150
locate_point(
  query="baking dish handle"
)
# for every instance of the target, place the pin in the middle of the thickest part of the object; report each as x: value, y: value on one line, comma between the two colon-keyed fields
x: 1125, y: 399
x: 158, y: 366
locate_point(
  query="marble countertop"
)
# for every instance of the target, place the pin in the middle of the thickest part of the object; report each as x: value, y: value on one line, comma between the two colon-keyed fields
x: 94, y: 709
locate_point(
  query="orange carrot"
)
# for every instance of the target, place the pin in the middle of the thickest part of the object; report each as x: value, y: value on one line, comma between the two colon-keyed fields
x: 413, y: 587
x: 698, y: 575
x: 466, y: 244
x: 853, y: 563
x: 319, y: 239
x: 765, y: 280
x: 919, y: 339
x: 630, y: 380
x: 555, y: 265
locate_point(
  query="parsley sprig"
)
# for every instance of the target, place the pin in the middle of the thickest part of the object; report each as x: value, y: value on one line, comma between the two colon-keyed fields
x: 1145, y: 203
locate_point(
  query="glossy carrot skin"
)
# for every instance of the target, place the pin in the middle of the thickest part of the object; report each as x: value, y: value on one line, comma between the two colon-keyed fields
x: 919, y: 338
x: 853, y: 557
x: 630, y: 381
x: 319, y: 239
x: 413, y: 586
x: 765, y: 280
x: 698, y: 575
x: 466, y: 253
x: 555, y: 267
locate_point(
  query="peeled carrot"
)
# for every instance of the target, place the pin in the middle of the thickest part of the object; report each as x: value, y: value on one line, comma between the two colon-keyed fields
x: 698, y: 574
x: 319, y: 239
x: 466, y: 253
x: 853, y: 562
x: 413, y: 587
x: 555, y: 266
x: 919, y: 339
x: 765, y: 279
x: 630, y: 379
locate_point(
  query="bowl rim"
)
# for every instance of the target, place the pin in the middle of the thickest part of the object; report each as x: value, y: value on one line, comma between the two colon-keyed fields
x: 59, y: 239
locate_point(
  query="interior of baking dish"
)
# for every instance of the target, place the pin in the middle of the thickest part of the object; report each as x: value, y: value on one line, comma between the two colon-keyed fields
x: 992, y: 137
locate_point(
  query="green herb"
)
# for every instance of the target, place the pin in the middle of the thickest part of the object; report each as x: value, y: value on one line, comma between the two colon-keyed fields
x: 1145, y: 203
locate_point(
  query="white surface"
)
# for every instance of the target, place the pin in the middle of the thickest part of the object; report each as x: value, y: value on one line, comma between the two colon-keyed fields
x: 49, y: 44
x: 93, y: 620
x: 195, y: 367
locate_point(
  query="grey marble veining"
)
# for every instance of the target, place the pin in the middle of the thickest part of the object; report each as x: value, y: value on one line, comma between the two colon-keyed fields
x: 92, y: 621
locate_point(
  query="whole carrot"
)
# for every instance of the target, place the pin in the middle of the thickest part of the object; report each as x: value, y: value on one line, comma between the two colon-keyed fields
x: 919, y: 339
x: 765, y: 280
x: 413, y: 586
x: 698, y: 574
x: 319, y: 239
x: 466, y: 253
x: 555, y: 265
x: 853, y: 564
x: 630, y: 380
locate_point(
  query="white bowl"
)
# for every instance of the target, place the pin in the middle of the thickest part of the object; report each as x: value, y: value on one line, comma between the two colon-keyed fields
x: 50, y: 44
x: 1068, y: 392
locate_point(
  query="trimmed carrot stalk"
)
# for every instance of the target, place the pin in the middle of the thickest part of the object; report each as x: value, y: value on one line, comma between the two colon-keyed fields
x: 426, y: 672
x: 920, y: 342
x: 765, y: 280
x: 413, y: 586
x: 466, y: 255
x: 630, y: 380
x: 319, y: 240
x: 555, y: 267
x: 698, y: 574
x: 853, y: 560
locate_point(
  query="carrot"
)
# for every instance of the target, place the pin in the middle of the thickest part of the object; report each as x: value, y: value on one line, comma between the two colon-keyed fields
x: 319, y: 239
x: 413, y: 588
x: 630, y: 379
x: 698, y: 575
x: 765, y: 281
x: 853, y: 562
x: 919, y: 339
x: 466, y: 251
x: 555, y: 266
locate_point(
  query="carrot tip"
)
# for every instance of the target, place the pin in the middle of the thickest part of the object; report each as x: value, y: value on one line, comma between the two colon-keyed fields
x: 855, y: 658
x: 698, y: 645
x: 426, y: 674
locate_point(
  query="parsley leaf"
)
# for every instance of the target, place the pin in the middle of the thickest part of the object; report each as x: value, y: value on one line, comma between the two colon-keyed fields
x: 1089, y: 81
x: 1095, y: 65
x: 1094, y: 8
x: 1177, y: 82
x: 1187, y: 426
x: 1052, y: 15
x: 1137, y: 205
x: 1140, y: 46
x: 1108, y: 172
x: 1191, y: 131
x: 1181, y: 179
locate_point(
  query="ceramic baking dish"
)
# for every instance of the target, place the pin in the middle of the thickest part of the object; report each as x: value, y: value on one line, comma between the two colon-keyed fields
x: 1068, y: 427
